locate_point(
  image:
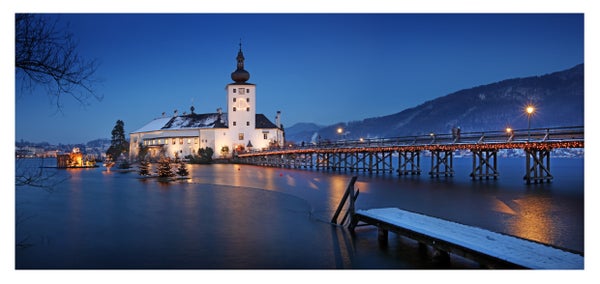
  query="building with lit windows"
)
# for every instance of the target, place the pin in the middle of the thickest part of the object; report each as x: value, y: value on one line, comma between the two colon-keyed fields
x: 237, y: 130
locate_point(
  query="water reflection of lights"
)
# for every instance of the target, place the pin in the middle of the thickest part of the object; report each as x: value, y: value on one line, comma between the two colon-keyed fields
x: 312, y: 185
x: 534, y: 220
x: 337, y: 189
x: 290, y: 180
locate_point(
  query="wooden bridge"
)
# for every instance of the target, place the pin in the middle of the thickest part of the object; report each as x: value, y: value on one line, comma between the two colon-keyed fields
x: 375, y: 155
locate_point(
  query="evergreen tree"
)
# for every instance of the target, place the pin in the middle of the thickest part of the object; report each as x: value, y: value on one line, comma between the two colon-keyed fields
x: 123, y: 164
x: 118, y: 143
x: 204, y: 156
x: 182, y: 170
x: 144, y: 168
x: 164, y: 168
x: 143, y: 152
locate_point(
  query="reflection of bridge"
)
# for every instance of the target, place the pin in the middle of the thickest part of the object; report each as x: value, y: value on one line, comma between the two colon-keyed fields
x: 375, y: 155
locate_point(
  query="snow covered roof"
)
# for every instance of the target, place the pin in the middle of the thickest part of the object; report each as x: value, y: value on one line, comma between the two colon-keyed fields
x: 207, y: 120
x: 195, y: 121
x: 188, y: 121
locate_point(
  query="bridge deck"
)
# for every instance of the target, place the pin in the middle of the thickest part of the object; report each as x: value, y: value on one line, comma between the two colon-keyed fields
x: 484, y: 246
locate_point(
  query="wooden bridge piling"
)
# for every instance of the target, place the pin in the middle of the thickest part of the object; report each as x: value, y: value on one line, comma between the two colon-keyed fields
x: 441, y: 163
x: 537, y: 165
x: 407, y: 164
x: 482, y: 166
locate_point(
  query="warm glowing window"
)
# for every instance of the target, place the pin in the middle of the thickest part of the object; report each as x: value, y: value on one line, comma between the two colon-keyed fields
x: 189, y: 141
x: 180, y: 141
x: 195, y: 140
x: 241, y: 136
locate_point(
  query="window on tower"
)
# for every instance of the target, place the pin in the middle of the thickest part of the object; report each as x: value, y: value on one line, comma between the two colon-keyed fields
x: 247, y: 100
x: 247, y: 123
x: 234, y: 100
x: 234, y: 109
x: 242, y: 91
x: 234, y: 123
x: 234, y: 91
x: 247, y: 109
x: 241, y: 136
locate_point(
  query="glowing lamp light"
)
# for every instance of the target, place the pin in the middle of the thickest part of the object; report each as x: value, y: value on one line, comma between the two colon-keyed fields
x: 508, y: 130
x: 530, y: 109
x: 340, y: 130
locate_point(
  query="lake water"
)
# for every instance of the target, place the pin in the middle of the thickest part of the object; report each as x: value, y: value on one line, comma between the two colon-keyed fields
x: 228, y: 216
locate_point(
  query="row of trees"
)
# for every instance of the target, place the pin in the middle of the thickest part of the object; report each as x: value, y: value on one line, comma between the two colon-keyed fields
x: 164, y: 168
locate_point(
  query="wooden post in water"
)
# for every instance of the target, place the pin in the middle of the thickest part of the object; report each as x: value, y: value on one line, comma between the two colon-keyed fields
x: 382, y: 236
x: 351, y: 208
x: 481, y: 161
x: 537, y: 165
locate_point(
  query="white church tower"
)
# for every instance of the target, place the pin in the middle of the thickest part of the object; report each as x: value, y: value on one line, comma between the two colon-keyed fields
x: 241, y: 107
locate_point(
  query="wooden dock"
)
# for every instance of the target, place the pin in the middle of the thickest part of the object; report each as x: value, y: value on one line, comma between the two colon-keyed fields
x: 489, y: 249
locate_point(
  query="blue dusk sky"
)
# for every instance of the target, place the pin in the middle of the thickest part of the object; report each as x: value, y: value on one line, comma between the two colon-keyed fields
x: 322, y: 68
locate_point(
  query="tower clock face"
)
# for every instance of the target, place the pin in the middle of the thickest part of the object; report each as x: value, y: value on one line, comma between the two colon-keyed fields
x: 241, y: 103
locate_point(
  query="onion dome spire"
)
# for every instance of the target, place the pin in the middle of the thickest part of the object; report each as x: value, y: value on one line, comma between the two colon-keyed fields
x: 240, y: 75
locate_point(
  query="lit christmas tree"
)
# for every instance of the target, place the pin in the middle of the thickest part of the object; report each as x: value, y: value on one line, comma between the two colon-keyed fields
x: 182, y: 170
x: 144, y: 168
x: 164, y: 168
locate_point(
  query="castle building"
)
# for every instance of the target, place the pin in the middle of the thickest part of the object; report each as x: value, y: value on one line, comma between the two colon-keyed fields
x: 238, y: 130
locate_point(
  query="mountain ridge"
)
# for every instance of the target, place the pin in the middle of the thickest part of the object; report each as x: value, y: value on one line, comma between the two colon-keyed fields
x: 557, y: 96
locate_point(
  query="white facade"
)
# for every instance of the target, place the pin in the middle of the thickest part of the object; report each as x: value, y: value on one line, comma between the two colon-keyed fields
x: 241, y: 107
x: 237, y: 130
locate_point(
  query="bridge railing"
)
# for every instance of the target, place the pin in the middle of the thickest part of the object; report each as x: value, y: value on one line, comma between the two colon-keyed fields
x: 572, y: 133
x: 522, y: 135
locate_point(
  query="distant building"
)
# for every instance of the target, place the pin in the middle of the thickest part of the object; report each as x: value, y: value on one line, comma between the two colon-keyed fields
x: 237, y: 130
x: 75, y: 159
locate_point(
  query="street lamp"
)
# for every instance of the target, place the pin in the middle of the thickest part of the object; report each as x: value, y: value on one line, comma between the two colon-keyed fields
x: 510, y: 134
x: 530, y: 110
x: 340, y: 131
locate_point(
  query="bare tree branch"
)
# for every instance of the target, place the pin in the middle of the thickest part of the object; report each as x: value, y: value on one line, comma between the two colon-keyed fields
x: 45, y: 56
x: 36, y: 176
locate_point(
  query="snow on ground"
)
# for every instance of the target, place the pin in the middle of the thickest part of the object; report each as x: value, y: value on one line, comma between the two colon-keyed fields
x: 512, y: 249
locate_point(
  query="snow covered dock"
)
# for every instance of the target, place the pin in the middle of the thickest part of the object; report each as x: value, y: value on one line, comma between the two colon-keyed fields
x: 486, y: 247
